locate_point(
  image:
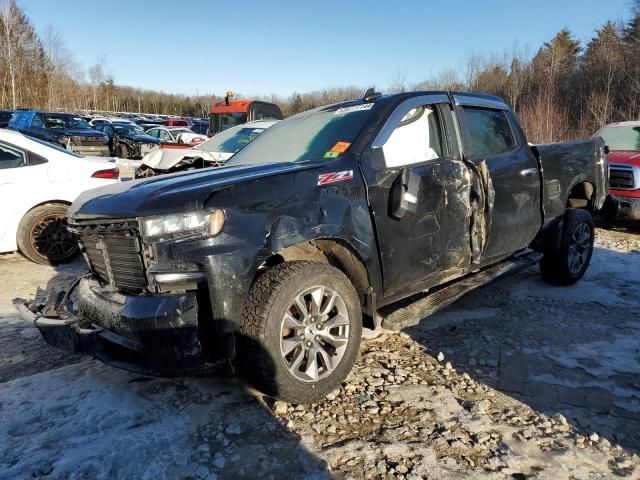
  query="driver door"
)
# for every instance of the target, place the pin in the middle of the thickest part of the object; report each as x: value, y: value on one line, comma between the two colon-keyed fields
x: 419, y: 196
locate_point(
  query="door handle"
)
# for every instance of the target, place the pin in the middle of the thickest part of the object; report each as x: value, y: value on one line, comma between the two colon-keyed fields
x: 527, y: 172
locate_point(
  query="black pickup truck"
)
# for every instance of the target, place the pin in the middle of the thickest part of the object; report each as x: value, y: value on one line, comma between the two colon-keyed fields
x: 374, y: 211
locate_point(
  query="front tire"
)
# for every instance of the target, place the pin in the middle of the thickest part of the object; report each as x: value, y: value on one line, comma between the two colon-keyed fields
x: 570, y: 262
x: 43, y: 236
x: 302, y: 324
x: 123, y: 151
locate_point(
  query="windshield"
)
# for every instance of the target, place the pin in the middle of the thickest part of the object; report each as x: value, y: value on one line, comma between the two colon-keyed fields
x: 66, y: 121
x: 314, y: 136
x: 221, y: 121
x: 230, y: 141
x: 621, y: 138
x: 129, y: 130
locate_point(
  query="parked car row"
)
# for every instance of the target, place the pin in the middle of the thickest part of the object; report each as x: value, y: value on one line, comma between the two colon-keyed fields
x: 100, y: 136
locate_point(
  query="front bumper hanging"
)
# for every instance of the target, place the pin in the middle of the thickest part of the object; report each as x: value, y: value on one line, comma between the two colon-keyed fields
x: 153, y: 334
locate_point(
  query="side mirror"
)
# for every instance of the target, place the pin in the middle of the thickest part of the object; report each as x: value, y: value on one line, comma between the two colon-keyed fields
x: 404, y: 194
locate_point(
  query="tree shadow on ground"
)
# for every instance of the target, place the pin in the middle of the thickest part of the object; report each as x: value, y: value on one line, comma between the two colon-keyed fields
x: 569, y: 350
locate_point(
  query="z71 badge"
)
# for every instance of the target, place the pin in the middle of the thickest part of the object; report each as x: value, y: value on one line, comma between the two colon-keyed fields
x: 333, y: 177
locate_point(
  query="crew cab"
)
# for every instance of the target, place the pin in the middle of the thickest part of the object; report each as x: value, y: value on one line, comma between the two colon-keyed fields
x: 623, y: 141
x: 127, y: 140
x: 63, y: 129
x: 374, y: 211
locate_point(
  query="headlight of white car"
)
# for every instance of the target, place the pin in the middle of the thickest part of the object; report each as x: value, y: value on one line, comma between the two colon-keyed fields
x: 192, y: 223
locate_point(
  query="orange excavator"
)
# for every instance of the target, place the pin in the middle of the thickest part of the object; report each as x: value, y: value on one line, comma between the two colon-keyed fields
x: 230, y: 113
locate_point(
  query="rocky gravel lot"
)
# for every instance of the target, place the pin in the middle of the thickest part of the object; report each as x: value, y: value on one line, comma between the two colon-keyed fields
x: 517, y: 380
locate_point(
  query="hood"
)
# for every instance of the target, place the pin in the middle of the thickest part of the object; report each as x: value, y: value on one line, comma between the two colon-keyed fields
x: 165, y: 158
x: 174, y: 193
x: 78, y: 132
x: 629, y: 157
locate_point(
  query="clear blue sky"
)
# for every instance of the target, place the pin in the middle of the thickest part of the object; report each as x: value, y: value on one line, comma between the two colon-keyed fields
x: 263, y: 47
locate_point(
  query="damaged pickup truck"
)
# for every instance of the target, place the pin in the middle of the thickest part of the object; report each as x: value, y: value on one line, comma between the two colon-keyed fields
x: 374, y: 211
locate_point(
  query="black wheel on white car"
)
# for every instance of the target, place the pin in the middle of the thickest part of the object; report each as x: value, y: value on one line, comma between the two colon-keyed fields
x: 302, y: 324
x: 570, y: 262
x: 43, y: 236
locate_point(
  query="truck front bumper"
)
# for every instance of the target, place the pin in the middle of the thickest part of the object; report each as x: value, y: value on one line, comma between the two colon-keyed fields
x: 154, y: 334
x: 628, y: 208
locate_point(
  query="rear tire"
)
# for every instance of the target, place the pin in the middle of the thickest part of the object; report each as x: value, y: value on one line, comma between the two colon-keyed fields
x: 570, y: 262
x: 43, y: 236
x: 302, y: 324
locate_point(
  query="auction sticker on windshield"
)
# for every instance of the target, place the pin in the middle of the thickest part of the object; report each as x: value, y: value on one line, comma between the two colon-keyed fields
x: 340, y: 147
x: 354, y: 108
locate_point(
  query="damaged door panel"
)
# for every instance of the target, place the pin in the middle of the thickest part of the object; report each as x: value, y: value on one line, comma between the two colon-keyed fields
x: 327, y: 222
x: 509, y: 173
x: 420, y: 197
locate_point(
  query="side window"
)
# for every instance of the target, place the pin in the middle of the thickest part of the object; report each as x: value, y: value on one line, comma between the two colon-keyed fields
x: 489, y: 132
x: 11, y: 157
x: 153, y: 132
x: 164, y: 135
x: 37, y: 122
x: 416, y: 138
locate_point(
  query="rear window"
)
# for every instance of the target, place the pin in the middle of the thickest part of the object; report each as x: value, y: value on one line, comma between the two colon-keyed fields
x: 489, y: 132
x: 621, y: 137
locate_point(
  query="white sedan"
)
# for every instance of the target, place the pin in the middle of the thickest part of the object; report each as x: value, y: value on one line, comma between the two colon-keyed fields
x: 176, y: 135
x: 38, y: 182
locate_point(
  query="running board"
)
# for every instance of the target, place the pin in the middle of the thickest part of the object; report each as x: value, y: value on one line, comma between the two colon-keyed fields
x: 415, y: 312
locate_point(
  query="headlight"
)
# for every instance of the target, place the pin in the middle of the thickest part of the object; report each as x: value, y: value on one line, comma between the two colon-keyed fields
x: 106, y: 139
x: 182, y: 224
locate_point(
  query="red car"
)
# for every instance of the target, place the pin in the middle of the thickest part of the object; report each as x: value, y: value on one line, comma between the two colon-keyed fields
x: 175, y: 122
x: 623, y: 140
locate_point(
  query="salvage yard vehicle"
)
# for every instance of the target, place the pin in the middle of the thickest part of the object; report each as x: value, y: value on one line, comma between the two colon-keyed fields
x: 230, y: 113
x: 128, y: 140
x: 5, y: 116
x: 215, y: 152
x: 181, y: 136
x: 623, y: 141
x: 63, y: 129
x: 38, y: 182
x: 373, y: 211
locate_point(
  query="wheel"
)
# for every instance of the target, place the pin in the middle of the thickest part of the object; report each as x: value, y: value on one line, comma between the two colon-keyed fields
x: 43, y: 236
x: 301, y: 331
x: 568, y: 264
x: 123, y: 151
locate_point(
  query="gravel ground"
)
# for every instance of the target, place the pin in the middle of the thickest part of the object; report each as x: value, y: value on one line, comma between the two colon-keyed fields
x: 516, y: 380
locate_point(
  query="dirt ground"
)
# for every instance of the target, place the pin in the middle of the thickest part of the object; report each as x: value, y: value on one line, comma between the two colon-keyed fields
x: 516, y: 380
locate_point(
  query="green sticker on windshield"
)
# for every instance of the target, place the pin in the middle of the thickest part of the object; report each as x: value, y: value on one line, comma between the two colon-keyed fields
x: 331, y: 154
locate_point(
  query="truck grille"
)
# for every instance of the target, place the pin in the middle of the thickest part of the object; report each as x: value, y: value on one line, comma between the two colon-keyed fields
x: 114, y: 253
x: 621, y: 177
x: 87, y: 141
